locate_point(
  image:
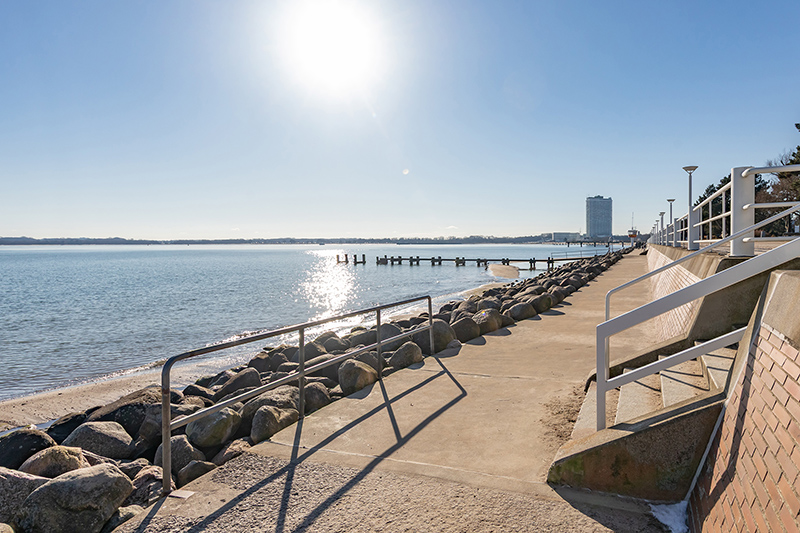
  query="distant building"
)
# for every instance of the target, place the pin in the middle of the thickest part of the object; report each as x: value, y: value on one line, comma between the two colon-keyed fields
x: 564, y: 236
x: 598, y: 217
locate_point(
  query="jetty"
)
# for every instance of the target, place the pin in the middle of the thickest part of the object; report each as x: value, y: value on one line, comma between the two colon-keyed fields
x: 548, y: 262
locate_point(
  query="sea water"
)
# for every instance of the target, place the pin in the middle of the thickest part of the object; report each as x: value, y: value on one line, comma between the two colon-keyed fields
x: 76, y: 314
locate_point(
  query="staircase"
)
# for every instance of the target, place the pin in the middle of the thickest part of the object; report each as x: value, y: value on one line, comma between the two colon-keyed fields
x: 642, y: 398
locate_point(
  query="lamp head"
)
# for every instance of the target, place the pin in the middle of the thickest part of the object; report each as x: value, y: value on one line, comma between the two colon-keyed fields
x: 690, y: 168
x: 661, y: 214
x: 670, y: 200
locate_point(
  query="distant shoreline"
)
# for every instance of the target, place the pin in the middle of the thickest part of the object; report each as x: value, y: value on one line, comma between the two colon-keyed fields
x: 69, y: 241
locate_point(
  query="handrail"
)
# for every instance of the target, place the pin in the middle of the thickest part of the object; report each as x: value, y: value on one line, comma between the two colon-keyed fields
x: 716, y: 243
x: 771, y: 170
x: 721, y: 280
x: 718, y: 193
x: 167, y: 424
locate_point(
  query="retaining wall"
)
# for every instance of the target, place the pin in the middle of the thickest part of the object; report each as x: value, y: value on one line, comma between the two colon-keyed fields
x: 750, y: 479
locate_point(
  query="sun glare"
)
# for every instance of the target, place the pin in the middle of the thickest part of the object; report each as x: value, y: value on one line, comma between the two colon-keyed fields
x: 332, y: 45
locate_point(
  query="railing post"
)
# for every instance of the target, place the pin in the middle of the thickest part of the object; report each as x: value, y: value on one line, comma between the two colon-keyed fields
x: 430, y: 323
x: 602, y: 378
x: 301, y: 358
x: 742, y: 193
x: 166, y: 432
x: 380, y: 353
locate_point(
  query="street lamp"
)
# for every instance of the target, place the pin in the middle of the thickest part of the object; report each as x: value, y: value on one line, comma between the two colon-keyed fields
x: 672, y: 221
x: 663, y: 237
x: 690, y: 229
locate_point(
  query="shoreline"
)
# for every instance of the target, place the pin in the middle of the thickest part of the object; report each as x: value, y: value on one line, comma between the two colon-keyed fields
x: 41, y: 408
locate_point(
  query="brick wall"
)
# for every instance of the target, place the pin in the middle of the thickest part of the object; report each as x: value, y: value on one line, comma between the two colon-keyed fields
x: 677, y: 321
x: 751, y: 479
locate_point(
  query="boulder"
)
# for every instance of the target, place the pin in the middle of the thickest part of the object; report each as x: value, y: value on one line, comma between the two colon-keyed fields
x: 82, y: 500
x: 488, y: 320
x: 17, y: 446
x: 54, y: 461
x: 521, y: 311
x: 370, y: 358
x: 407, y: 354
x: 260, y: 362
x: 120, y: 516
x: 214, y: 429
x: 316, y: 397
x: 388, y: 331
x: 129, y: 411
x: 466, y: 329
x: 310, y: 351
x: 506, y: 320
x: 61, y: 428
x: 468, y: 306
x: 108, y: 439
x: 491, y: 302
x: 194, y: 470
x: 269, y: 420
x: 132, y: 468
x: 331, y: 372
x: 283, y: 397
x: 182, y: 453
x: 231, y: 450
x: 365, y: 337
x: 147, y: 486
x: 15, y: 486
x: 197, y: 390
x: 335, y: 344
x: 542, y: 303
x: 355, y: 375
x: 150, y: 430
x: 249, y: 377
x: 442, y: 335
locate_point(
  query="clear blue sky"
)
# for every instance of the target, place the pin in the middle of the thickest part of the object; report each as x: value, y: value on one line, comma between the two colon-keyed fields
x: 193, y: 119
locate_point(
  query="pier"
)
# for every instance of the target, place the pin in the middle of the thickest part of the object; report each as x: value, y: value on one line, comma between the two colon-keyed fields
x: 549, y: 262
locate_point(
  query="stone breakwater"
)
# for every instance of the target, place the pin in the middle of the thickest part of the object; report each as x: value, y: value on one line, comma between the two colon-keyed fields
x: 92, y: 470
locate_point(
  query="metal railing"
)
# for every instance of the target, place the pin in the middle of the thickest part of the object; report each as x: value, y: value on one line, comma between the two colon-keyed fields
x: 168, y: 425
x: 747, y: 269
x: 737, y: 211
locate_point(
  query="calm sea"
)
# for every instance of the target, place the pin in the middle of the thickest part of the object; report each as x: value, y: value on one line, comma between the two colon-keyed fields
x: 75, y: 314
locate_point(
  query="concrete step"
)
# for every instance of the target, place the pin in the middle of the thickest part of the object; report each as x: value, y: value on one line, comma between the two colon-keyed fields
x: 682, y: 382
x: 639, y: 398
x: 586, y: 424
x: 717, y: 365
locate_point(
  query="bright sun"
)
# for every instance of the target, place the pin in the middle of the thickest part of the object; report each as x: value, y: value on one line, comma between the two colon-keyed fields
x: 332, y: 45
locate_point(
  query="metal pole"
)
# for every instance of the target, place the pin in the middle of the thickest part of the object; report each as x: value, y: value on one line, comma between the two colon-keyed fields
x: 742, y: 193
x: 380, y: 353
x: 166, y: 433
x: 301, y: 358
x: 430, y: 323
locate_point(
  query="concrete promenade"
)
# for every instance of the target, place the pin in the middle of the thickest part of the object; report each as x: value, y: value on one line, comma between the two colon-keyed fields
x: 460, y: 442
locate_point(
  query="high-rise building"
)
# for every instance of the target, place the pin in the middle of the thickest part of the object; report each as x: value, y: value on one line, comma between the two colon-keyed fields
x: 598, y: 216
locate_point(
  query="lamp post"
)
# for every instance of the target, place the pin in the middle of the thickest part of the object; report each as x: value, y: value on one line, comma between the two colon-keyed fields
x: 691, y: 231
x: 663, y: 237
x: 672, y: 221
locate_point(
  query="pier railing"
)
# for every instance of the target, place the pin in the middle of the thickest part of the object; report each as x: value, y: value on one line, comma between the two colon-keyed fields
x: 751, y: 267
x: 736, y: 212
x: 168, y: 425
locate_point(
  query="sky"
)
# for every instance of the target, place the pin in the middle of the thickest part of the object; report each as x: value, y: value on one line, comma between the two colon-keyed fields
x: 381, y: 118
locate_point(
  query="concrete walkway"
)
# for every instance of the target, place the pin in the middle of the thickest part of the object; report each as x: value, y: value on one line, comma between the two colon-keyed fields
x: 461, y: 442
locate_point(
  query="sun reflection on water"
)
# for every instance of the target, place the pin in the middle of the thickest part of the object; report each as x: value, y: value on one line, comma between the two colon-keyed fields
x: 328, y: 287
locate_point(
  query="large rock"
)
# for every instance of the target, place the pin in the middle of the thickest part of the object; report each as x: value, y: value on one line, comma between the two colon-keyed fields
x: 542, y: 303
x: 194, y: 470
x: 249, y: 377
x: 129, y: 411
x: 182, y: 453
x: 54, y: 461
x: 310, y: 351
x: 355, y: 375
x: 197, y: 390
x: 316, y: 397
x: 147, y: 486
x: 17, y: 446
x: 61, y: 428
x: 231, y: 450
x: 269, y: 420
x: 466, y: 329
x: 150, y: 430
x: 443, y: 334
x: 330, y: 372
x: 364, y: 336
x: 335, y: 344
x: 15, y: 486
x: 387, y: 332
x: 108, y: 439
x: 214, y: 429
x: 120, y: 516
x: 488, y: 320
x: 521, y: 311
x: 283, y: 397
x: 407, y: 354
x: 80, y: 501
x: 492, y: 302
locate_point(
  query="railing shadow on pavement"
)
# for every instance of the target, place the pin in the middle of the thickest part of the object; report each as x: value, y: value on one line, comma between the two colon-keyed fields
x: 297, y: 458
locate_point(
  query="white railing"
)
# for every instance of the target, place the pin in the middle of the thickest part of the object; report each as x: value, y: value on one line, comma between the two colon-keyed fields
x: 737, y: 212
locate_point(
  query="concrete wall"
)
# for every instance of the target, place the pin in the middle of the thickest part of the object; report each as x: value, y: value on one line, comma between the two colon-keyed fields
x: 751, y: 478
